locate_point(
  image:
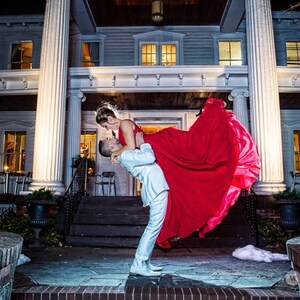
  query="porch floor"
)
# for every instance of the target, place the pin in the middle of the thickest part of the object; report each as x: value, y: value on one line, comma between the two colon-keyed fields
x: 102, y: 273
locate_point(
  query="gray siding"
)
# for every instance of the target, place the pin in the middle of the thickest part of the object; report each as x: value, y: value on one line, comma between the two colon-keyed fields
x: 290, y: 120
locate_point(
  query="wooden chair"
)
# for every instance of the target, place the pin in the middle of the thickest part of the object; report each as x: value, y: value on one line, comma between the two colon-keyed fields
x: 3, y: 183
x: 295, y: 179
x: 23, y: 181
x: 108, y: 179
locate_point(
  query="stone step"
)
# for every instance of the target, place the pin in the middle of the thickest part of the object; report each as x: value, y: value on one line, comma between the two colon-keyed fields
x: 110, y: 201
x: 119, y: 221
x: 106, y: 230
x: 111, y: 218
x: 132, y: 242
x: 136, y: 230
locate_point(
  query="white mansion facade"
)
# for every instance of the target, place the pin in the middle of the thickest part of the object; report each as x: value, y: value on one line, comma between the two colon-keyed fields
x: 61, y: 62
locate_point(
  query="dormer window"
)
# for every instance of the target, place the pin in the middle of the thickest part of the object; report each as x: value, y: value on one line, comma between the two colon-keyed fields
x: 230, y: 53
x: 159, y: 48
x: 21, y: 55
x: 293, y: 54
x: 90, y: 54
x: 159, y: 54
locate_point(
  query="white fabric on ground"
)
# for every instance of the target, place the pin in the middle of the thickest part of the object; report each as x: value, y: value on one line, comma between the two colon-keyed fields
x: 252, y: 253
x: 23, y: 259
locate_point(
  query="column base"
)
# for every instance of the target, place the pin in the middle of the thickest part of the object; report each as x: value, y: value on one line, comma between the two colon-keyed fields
x: 268, y: 188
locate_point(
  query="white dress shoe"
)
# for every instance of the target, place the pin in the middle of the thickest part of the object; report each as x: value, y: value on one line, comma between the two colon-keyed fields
x: 143, y: 271
x: 152, y: 267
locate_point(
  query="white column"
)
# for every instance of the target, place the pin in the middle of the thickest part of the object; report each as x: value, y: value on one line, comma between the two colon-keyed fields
x: 239, y: 98
x: 51, y: 101
x: 264, y: 95
x: 73, y: 131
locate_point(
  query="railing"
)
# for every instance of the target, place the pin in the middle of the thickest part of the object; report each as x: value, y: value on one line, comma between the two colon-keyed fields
x: 73, y: 193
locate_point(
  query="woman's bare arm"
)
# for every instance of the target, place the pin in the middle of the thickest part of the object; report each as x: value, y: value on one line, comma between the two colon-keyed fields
x: 127, y: 127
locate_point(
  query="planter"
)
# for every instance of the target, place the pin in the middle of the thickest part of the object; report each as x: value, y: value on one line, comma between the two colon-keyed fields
x: 290, y: 214
x: 37, y: 210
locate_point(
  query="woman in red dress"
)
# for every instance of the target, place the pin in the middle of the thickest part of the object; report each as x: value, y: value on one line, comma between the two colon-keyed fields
x: 206, y: 167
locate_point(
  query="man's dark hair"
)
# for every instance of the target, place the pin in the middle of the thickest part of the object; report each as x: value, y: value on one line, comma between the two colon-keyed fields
x: 104, y: 149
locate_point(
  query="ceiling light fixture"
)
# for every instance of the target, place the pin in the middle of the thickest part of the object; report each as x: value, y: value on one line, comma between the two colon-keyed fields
x: 157, y: 10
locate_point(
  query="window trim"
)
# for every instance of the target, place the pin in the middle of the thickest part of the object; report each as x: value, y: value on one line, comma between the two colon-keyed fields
x: 98, y: 38
x: 160, y: 37
x: 237, y: 37
x: 286, y: 56
x: 159, y: 51
x: 284, y: 38
x: 20, y: 42
x: 4, y: 152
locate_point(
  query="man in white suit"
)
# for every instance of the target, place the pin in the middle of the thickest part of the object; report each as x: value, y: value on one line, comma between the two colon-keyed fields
x: 140, y: 163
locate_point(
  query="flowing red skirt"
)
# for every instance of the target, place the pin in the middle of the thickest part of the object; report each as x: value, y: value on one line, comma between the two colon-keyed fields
x: 206, y: 168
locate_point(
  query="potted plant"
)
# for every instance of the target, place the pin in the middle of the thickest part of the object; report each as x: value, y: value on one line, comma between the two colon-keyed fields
x: 289, y: 201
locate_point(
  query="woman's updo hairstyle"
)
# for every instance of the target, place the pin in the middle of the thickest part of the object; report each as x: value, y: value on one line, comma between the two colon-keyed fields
x: 104, y: 111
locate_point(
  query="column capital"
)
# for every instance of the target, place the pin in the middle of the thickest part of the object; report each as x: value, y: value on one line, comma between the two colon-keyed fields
x: 77, y: 94
x: 238, y: 92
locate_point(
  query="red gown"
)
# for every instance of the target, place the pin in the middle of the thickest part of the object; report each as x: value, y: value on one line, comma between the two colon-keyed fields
x: 206, y: 167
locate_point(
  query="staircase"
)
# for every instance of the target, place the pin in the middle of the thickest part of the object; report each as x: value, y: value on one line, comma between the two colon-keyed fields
x: 119, y: 221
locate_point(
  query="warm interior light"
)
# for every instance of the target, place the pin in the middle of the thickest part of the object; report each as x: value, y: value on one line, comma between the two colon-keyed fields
x: 157, y: 10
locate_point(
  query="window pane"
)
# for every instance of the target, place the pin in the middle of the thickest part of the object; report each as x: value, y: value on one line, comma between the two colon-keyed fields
x: 297, y: 150
x: 90, y: 54
x: 169, y: 55
x: 21, y: 55
x: 88, y: 148
x: 236, y: 50
x: 149, y: 55
x: 230, y: 53
x: 14, y: 151
x: 293, y: 53
x: 224, y: 50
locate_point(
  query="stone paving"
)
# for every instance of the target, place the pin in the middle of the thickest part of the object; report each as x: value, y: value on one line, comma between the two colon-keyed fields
x: 79, y: 266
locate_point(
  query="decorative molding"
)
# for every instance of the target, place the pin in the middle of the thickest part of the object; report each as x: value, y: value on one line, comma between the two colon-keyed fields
x: 156, y: 79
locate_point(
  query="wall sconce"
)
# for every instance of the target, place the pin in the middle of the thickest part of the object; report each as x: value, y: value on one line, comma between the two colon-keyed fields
x: 157, y: 10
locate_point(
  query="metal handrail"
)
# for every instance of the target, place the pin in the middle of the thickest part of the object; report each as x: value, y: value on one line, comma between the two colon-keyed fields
x: 76, y: 188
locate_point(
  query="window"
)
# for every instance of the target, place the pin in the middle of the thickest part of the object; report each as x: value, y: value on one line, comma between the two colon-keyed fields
x: 14, y: 151
x: 90, y: 54
x: 230, y: 53
x: 149, y: 53
x: 159, y: 54
x: 88, y: 149
x: 21, y: 55
x: 297, y: 150
x: 169, y: 55
x: 158, y: 48
x: 293, y: 54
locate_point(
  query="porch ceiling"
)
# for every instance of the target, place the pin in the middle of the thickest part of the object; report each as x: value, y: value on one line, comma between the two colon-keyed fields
x: 138, y: 12
x: 141, y: 101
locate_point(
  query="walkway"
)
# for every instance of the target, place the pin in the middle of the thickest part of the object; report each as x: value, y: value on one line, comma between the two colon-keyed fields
x: 90, y: 273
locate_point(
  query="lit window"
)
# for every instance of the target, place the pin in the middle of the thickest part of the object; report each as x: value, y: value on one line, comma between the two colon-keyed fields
x: 159, y: 54
x: 90, y: 54
x: 149, y: 54
x: 88, y: 148
x: 230, y: 53
x: 293, y: 54
x: 297, y: 150
x: 14, y: 151
x: 21, y: 55
x: 169, y: 55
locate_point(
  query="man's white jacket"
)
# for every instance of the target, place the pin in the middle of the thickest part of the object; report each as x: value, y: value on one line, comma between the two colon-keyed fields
x: 140, y: 163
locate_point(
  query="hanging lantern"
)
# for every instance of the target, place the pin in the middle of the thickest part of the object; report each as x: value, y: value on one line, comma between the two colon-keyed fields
x: 157, y: 10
